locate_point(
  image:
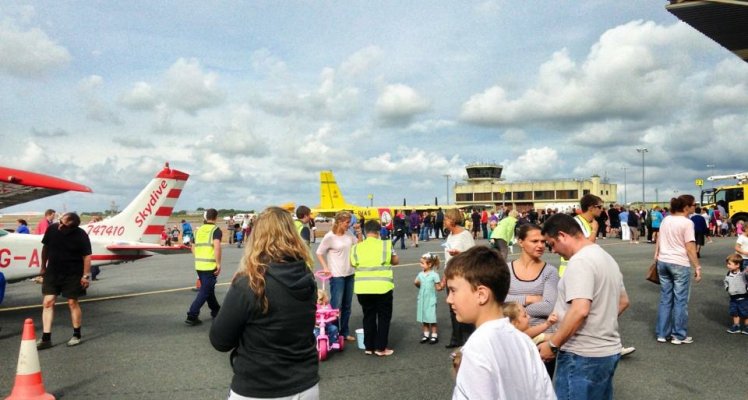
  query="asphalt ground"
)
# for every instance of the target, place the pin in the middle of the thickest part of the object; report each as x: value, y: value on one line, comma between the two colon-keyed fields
x: 136, y: 345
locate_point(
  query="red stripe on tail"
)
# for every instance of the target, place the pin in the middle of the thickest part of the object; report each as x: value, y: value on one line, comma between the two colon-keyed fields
x: 164, y: 211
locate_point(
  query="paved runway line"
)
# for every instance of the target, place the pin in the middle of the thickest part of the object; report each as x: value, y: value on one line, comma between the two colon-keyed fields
x: 121, y: 296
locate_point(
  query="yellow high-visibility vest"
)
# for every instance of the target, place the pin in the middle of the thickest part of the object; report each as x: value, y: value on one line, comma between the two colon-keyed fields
x: 205, y: 254
x: 372, y: 260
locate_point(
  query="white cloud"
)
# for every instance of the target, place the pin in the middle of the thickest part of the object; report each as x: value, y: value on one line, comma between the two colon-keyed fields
x: 534, y: 163
x: 190, y: 89
x: 431, y: 125
x: 97, y: 109
x: 30, y: 53
x: 266, y: 63
x: 361, y: 61
x: 134, y: 142
x: 488, y: 7
x: 633, y: 71
x: 142, y: 96
x: 239, y: 138
x: 398, y: 104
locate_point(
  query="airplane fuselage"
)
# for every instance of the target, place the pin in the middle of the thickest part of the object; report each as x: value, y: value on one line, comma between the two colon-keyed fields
x: 24, y: 258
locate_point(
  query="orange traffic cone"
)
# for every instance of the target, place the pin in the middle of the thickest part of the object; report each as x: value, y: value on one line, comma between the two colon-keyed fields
x: 29, y: 385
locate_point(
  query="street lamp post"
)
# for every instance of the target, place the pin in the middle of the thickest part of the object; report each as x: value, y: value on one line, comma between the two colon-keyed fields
x: 447, y: 176
x: 642, y: 150
x: 371, y: 200
x: 625, y: 199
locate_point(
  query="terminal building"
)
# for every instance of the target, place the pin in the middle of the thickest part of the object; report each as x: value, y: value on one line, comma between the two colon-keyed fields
x: 484, y: 187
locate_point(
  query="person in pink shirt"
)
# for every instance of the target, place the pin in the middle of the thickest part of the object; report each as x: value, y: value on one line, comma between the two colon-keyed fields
x: 333, y: 254
x: 675, y: 253
x: 48, y: 219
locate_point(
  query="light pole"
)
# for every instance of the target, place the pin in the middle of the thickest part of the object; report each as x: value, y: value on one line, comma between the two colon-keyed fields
x: 447, y: 176
x: 625, y: 200
x: 642, y: 150
x: 371, y: 200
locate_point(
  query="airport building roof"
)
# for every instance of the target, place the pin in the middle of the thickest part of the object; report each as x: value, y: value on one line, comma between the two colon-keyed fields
x: 724, y: 21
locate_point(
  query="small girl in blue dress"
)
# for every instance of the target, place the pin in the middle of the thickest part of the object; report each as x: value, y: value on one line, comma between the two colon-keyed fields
x: 429, y: 283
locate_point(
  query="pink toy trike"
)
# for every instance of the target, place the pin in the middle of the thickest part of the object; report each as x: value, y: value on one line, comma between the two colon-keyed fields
x: 326, y: 315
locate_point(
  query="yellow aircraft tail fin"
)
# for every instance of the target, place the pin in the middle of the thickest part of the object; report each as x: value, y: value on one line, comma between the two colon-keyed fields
x: 329, y: 192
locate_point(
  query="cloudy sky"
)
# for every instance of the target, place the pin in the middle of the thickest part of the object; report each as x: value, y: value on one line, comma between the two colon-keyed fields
x: 253, y: 99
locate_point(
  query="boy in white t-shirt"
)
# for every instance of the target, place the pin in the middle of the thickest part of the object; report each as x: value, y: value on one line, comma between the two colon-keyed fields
x: 498, y: 360
x: 741, y: 247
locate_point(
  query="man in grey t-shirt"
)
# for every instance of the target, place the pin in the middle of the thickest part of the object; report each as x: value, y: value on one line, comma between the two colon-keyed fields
x: 591, y: 296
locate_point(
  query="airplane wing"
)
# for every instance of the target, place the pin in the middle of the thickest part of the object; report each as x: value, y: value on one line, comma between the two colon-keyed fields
x: 149, y: 247
x: 17, y: 186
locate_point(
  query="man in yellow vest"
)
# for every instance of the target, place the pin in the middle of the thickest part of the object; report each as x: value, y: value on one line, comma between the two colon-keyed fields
x: 373, y: 284
x: 303, y: 216
x: 207, y: 251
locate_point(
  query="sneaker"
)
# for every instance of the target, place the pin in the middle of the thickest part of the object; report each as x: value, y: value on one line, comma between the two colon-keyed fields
x: 734, y: 329
x: 192, y: 321
x: 662, y: 339
x: 43, y: 344
x: 74, y: 341
x: 424, y: 339
x: 687, y: 340
x: 627, y: 350
x: 745, y: 330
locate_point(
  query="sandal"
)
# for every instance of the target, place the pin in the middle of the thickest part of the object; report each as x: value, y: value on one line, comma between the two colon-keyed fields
x: 350, y: 338
x: 384, y: 353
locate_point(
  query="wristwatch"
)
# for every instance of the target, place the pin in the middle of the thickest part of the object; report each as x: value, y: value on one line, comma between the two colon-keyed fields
x: 553, y: 347
x: 85, y: 277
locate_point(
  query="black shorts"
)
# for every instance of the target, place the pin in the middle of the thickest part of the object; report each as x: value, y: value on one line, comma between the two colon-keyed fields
x: 699, y: 238
x: 67, y: 285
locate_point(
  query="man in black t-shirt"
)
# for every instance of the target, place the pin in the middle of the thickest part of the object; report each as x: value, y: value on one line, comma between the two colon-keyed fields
x: 66, y: 264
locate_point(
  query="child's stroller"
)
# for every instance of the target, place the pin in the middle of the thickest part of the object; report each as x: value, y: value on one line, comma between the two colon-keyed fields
x: 326, y: 315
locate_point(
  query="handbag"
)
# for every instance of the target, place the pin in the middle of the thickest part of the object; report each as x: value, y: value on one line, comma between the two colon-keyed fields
x: 652, y: 274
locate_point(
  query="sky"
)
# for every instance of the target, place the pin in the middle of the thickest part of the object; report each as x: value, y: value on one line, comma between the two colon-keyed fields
x: 254, y: 99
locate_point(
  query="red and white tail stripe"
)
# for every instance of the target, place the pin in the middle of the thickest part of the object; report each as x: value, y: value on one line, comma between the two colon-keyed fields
x: 144, y: 218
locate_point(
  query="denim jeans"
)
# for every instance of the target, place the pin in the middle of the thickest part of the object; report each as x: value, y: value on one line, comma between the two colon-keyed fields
x: 581, y: 378
x: 341, y: 296
x: 672, y: 313
x: 424, y: 236
x: 396, y: 238
x: 207, y: 292
x: 330, y: 330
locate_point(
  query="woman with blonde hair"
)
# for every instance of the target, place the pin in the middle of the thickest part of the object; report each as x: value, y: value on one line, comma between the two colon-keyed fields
x: 333, y: 254
x: 268, y: 316
x: 459, y: 240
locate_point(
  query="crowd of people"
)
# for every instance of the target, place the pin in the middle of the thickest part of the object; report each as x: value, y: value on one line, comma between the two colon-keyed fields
x: 520, y: 329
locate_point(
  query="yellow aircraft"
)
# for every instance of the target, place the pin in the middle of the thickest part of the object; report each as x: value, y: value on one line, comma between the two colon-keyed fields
x: 331, y: 201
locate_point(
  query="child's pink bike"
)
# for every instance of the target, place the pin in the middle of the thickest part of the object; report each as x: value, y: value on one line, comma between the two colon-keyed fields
x: 326, y: 315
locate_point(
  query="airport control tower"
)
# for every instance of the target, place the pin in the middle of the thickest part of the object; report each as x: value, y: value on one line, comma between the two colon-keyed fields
x: 484, y: 172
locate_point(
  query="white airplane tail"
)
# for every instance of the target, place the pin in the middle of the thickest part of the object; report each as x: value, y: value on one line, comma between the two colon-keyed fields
x: 144, y: 218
